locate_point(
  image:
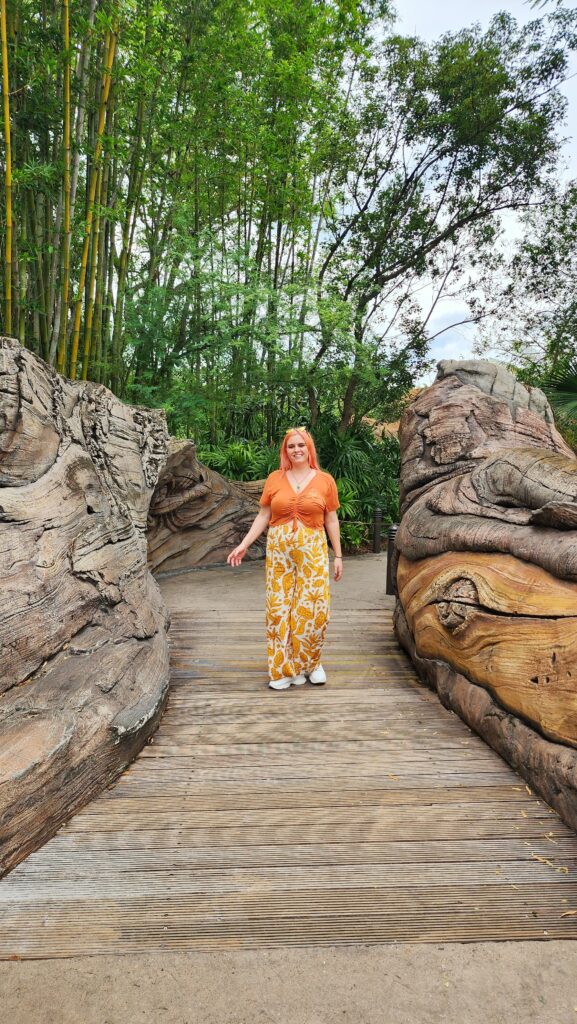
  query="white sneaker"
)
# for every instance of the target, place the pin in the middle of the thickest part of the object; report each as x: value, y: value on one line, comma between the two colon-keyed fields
x: 280, y: 684
x: 286, y: 681
x: 318, y: 676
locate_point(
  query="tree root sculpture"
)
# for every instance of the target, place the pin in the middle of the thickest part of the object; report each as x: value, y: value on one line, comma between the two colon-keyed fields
x: 196, y: 516
x: 83, y: 628
x: 486, y: 567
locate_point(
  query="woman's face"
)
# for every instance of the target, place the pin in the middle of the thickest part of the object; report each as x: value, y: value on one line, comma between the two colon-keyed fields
x: 297, y: 450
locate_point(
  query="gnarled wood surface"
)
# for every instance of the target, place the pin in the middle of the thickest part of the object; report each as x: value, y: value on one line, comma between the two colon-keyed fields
x: 196, y: 516
x: 252, y: 487
x: 507, y: 625
x: 83, y: 648
x: 487, y: 563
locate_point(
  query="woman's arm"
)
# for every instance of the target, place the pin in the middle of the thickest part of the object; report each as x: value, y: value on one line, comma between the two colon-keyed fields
x: 334, y: 532
x: 259, y: 525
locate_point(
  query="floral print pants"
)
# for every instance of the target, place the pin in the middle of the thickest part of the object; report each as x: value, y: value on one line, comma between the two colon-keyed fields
x: 297, y: 598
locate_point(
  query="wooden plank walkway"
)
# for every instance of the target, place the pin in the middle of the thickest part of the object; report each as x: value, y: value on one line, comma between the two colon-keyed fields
x: 359, y: 812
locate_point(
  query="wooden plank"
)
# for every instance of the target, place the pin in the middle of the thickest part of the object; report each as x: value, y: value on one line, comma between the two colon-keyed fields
x: 76, y: 863
x: 315, y: 879
x: 107, y: 819
x: 146, y: 797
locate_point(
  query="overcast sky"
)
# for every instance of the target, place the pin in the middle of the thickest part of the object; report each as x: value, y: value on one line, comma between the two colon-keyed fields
x: 429, y: 19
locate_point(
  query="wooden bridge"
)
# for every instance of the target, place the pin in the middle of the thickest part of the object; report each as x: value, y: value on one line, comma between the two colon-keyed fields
x: 360, y: 812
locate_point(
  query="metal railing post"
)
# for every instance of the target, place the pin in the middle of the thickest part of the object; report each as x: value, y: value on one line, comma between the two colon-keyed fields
x: 392, y: 533
x: 377, y: 526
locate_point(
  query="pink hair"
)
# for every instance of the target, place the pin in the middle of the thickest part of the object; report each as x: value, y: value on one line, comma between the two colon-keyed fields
x: 285, y: 462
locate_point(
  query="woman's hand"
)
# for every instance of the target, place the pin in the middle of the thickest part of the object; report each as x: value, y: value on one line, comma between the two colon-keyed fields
x: 259, y: 526
x: 236, y: 556
x: 333, y: 530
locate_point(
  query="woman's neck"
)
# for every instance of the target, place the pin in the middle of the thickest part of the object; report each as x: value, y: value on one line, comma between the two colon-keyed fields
x: 301, y: 471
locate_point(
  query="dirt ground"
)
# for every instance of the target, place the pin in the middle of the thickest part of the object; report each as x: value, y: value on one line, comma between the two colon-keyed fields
x: 483, y: 983
x: 501, y: 983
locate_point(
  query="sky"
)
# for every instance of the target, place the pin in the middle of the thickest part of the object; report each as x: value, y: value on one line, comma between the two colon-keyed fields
x: 429, y: 19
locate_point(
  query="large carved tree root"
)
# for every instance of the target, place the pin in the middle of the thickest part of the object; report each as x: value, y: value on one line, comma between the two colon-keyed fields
x: 83, y: 647
x: 486, y: 568
x: 549, y: 768
x: 196, y: 516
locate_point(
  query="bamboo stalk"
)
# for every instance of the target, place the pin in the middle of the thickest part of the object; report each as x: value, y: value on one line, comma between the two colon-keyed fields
x: 134, y: 185
x: 108, y: 309
x: 40, y: 330
x: 82, y: 72
x: 101, y: 275
x: 7, y: 172
x: 92, y: 282
x: 54, y: 303
x: 96, y: 344
x: 23, y: 282
x: 67, y: 227
x: 106, y: 82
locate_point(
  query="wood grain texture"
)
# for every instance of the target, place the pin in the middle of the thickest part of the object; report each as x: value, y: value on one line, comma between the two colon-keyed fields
x: 487, y: 547
x: 252, y: 487
x: 197, y: 516
x: 503, y: 584
x: 83, y: 647
x: 362, y: 811
x: 90, y: 489
x: 505, y: 624
x: 484, y: 469
x: 549, y: 768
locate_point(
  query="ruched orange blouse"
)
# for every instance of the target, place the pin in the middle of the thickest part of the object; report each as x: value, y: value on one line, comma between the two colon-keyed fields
x: 308, y: 506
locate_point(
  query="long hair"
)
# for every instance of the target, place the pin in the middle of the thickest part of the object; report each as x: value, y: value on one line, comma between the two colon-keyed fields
x: 285, y: 462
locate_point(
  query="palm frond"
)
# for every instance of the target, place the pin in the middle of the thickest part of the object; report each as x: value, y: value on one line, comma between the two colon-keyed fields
x: 560, y: 386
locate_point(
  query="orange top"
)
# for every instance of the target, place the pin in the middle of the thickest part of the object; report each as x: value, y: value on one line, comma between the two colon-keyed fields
x: 308, y: 506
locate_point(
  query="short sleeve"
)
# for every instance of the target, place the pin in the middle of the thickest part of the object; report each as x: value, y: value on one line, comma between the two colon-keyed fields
x: 266, y: 496
x: 332, y: 499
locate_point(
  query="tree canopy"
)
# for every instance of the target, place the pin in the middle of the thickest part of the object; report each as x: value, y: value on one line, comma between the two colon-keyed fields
x: 235, y: 210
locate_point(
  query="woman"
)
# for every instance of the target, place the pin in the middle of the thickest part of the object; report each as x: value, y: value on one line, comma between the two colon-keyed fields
x: 298, y: 504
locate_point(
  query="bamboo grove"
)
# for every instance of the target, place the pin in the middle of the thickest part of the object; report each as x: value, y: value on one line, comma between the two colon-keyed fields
x: 235, y: 208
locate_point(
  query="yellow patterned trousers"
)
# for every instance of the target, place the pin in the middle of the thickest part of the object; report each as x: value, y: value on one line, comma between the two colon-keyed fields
x: 297, y: 598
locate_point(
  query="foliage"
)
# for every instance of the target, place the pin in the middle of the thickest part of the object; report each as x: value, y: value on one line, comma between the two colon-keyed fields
x: 259, y: 205
x: 560, y: 386
x: 365, y: 468
x: 539, y: 286
x: 240, y: 217
x: 240, y: 460
x: 538, y: 283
